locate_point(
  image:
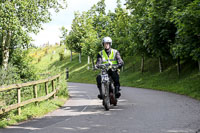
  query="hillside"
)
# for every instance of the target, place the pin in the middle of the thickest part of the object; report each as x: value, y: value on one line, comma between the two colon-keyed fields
x: 187, y: 84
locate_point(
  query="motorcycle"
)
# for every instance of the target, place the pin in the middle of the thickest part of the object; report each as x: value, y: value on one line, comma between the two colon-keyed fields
x: 107, y: 84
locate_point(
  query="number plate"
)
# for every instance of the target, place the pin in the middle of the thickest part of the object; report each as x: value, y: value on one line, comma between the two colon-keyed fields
x: 104, y: 77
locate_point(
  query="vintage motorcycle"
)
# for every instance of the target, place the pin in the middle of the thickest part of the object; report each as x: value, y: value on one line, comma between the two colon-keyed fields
x: 107, y: 84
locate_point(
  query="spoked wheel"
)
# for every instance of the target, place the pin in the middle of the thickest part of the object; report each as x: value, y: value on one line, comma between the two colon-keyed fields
x: 106, y: 97
x: 106, y: 103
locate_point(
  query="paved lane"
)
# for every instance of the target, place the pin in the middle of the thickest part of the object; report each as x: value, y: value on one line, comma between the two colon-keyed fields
x: 138, y: 111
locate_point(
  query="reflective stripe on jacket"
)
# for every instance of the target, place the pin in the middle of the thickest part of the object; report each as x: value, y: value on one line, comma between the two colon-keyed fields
x: 111, y: 58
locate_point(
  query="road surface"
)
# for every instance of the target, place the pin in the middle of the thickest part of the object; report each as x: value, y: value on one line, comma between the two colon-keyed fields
x: 138, y: 111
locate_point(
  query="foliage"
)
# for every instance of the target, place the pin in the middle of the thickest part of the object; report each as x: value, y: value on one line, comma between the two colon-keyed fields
x: 168, y: 81
x: 186, y: 18
x: 18, y: 18
x: 120, y: 33
x: 21, y: 61
x: 19, y: 71
x: 10, y: 76
x: 161, y: 29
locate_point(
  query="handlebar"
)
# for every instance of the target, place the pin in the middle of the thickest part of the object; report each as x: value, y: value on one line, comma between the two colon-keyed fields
x: 107, y: 66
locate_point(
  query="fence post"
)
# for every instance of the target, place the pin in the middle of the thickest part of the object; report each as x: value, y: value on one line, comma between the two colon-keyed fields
x: 53, y: 87
x: 46, y: 88
x: 19, y: 99
x: 67, y: 73
x: 58, y: 82
x: 35, y: 93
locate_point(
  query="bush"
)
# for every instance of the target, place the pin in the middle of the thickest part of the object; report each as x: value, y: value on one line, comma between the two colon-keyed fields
x: 22, y: 61
x: 8, y: 77
x: 39, y: 59
x: 46, y: 51
x: 51, y: 58
x: 61, y: 56
x: 63, y: 92
x: 11, y: 76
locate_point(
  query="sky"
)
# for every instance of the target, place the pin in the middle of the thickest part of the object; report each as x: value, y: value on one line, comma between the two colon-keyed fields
x: 51, y: 33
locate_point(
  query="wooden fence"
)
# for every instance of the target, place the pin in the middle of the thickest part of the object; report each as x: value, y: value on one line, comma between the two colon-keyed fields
x: 54, y: 84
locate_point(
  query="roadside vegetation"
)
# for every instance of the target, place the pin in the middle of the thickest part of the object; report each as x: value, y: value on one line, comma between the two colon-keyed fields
x: 158, y: 40
x: 40, y: 64
x: 187, y: 83
x: 18, y: 20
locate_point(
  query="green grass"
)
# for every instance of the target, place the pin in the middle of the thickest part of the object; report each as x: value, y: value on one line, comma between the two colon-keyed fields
x: 31, y: 111
x: 187, y: 84
x: 47, y: 66
x: 48, y: 62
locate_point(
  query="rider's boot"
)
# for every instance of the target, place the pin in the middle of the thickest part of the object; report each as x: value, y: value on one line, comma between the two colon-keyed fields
x: 117, y: 89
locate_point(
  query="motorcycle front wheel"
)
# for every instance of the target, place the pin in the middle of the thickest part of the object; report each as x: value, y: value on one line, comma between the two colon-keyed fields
x: 106, y: 96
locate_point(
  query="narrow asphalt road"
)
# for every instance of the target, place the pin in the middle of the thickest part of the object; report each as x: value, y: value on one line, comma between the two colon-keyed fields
x: 138, y: 111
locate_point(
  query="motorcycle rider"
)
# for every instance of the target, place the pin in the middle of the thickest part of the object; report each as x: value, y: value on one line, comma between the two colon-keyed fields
x: 109, y: 55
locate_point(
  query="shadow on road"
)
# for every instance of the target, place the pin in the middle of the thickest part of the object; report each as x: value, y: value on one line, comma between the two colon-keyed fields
x: 65, y: 113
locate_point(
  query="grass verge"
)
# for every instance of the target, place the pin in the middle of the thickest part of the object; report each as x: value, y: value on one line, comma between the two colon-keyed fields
x: 31, y: 111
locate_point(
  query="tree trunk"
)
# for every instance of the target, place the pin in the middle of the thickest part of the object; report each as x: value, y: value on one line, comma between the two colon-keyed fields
x: 199, y: 64
x: 88, y: 62
x: 5, y: 49
x: 160, y: 64
x: 122, y: 69
x: 80, y: 57
x: 142, y: 64
x: 178, y: 66
x: 92, y: 62
x: 71, y: 56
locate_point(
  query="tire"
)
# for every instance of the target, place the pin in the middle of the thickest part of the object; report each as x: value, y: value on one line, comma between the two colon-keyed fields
x: 106, y: 97
x: 115, y: 104
x: 114, y: 96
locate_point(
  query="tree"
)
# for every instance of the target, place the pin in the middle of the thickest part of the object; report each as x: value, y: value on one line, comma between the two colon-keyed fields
x: 152, y: 31
x: 18, y: 18
x: 77, y: 33
x: 120, y: 26
x: 65, y: 39
x: 90, y: 41
x: 100, y: 19
x: 139, y: 28
x: 187, y: 34
x: 161, y: 31
x: 186, y: 16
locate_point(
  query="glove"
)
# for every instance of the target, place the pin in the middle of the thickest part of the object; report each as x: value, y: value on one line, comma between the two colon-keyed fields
x: 119, y: 66
x: 96, y: 66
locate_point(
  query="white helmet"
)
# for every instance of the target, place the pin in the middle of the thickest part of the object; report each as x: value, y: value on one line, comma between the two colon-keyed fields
x: 107, y: 39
